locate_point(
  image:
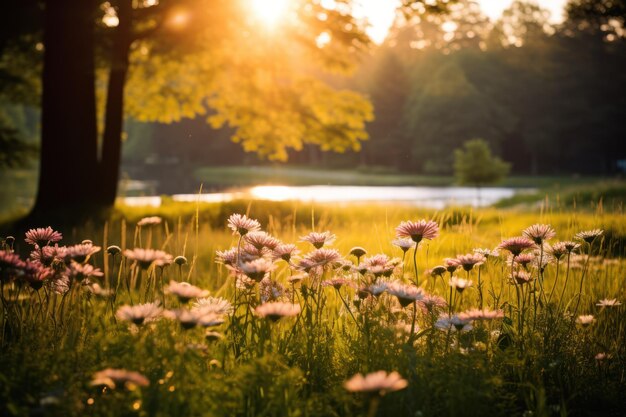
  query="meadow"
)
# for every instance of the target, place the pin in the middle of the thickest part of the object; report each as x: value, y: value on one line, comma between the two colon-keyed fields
x: 189, y: 310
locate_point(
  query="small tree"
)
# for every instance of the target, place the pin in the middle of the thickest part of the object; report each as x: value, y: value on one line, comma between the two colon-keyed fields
x: 475, y: 165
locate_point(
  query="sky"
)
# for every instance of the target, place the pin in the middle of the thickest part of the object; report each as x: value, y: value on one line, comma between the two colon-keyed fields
x: 380, y: 13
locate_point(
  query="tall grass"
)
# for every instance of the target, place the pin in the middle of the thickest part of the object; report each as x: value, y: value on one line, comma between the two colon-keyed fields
x: 536, y: 360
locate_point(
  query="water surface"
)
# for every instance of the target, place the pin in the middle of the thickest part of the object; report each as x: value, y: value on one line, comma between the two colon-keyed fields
x: 431, y: 197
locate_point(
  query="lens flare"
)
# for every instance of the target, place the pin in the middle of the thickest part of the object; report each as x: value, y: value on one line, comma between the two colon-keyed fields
x: 269, y: 12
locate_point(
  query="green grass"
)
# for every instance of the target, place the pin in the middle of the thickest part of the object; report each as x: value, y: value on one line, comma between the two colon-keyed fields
x: 285, y: 175
x: 607, y: 193
x: 51, y: 346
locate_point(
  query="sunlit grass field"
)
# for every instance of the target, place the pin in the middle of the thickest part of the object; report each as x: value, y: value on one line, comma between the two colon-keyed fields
x: 534, y: 357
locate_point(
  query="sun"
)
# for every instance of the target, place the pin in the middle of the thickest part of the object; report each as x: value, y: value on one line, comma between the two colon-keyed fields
x: 269, y: 12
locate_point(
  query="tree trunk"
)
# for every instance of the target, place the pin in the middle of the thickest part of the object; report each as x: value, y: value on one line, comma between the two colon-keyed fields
x: 68, y: 166
x: 114, y: 113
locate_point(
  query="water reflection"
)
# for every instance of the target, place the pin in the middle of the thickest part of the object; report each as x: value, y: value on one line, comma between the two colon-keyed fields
x: 432, y: 197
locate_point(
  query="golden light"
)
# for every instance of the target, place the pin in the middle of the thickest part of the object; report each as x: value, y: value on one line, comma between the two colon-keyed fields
x: 179, y: 18
x: 273, y: 193
x: 269, y: 12
x: 449, y: 26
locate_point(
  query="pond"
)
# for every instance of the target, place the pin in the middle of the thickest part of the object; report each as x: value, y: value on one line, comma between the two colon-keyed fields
x: 431, y: 197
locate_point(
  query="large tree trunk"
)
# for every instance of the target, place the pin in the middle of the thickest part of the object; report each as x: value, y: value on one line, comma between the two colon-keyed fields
x: 69, y: 160
x: 114, y: 114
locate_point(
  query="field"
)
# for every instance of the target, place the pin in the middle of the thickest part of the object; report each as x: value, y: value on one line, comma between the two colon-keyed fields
x: 542, y: 343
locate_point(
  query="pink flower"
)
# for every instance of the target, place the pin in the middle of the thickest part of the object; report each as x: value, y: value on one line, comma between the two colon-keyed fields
x: 319, y: 239
x: 112, y: 377
x: 185, y: 291
x: 469, y: 260
x: 377, y: 382
x: 146, y: 257
x: 422, y: 229
x: 406, y: 294
x: 261, y: 240
x: 41, y: 237
x: 277, y: 310
x: 539, y: 233
x: 517, y: 245
x: 242, y: 224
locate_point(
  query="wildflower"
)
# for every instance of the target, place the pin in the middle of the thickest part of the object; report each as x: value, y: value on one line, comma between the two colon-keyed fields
x: 484, y: 314
x: 522, y: 277
x: 585, y: 320
x: 60, y: 282
x: 558, y: 250
x: 343, y: 265
x: 81, y: 252
x: 438, y: 271
x: 242, y: 224
x: 257, y: 269
x: 261, y: 240
x: 42, y: 237
x: 377, y: 288
x: 113, y: 250
x: 79, y: 271
x: 422, y: 229
x: 189, y: 319
x: 571, y: 246
x: 242, y: 282
x: 357, y: 252
x: 323, y: 257
x: 146, y: 257
x: 451, y: 264
x: 376, y: 260
x: 284, y: 251
x: 406, y: 294
x: 470, y: 260
x: 250, y: 253
x: 432, y: 302
x: 140, y: 313
x: 277, y: 310
x: 522, y: 259
x: 149, y: 221
x: 609, y: 303
x: 589, y: 235
x: 48, y: 255
x: 318, y: 240
x: 539, y: 233
x: 404, y: 244
x: 271, y: 290
x: 215, y: 305
x: 10, y: 264
x: 488, y: 253
x: 338, y: 282
x: 377, y: 382
x: 185, y: 291
x: 602, y: 356
x: 380, y: 265
x: 226, y: 257
x: 459, y: 284
x: 35, y: 274
x: 180, y: 260
x: 517, y: 245
x: 447, y: 322
x: 112, y: 377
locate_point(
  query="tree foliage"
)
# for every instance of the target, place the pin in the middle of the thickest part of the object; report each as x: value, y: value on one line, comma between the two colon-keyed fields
x: 475, y: 165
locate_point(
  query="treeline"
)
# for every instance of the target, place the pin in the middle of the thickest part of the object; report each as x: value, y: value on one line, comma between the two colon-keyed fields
x: 549, y: 99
